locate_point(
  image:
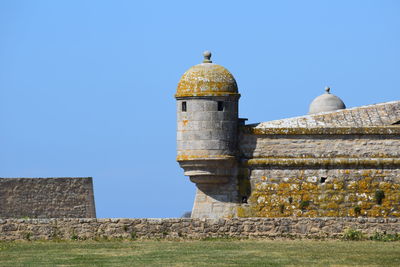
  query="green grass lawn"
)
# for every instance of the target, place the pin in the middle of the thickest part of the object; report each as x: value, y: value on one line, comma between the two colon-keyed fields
x: 200, y: 253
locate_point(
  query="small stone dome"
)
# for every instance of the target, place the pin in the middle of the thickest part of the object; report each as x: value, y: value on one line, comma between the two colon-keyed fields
x: 207, y: 79
x: 326, y: 102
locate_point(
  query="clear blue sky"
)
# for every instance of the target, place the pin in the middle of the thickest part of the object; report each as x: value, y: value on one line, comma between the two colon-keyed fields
x: 86, y: 87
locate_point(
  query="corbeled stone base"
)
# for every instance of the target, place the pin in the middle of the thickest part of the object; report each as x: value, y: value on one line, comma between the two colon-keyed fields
x: 215, y: 201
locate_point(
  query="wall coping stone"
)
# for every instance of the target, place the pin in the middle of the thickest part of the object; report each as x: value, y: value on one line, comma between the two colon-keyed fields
x: 370, y: 130
x: 337, y: 161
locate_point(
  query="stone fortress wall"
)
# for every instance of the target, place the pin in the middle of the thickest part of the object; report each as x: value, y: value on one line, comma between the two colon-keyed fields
x: 326, y: 171
x: 47, y: 198
x: 333, y: 162
x: 314, y: 192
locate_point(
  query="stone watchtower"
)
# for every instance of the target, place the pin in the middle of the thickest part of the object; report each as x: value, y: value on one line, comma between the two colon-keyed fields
x: 207, y: 114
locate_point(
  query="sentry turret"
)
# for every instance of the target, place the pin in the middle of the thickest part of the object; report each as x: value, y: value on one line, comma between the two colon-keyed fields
x: 207, y: 114
x: 207, y: 108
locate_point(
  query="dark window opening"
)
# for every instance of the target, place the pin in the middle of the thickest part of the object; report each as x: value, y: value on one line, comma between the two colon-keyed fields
x: 244, y: 199
x: 184, y: 106
x: 220, y: 106
x: 396, y: 123
x: 323, y: 179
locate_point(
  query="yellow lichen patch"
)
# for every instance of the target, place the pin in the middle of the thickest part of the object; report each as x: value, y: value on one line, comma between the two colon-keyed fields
x: 244, y: 211
x: 354, y: 211
x: 310, y: 187
x: 306, y: 196
x: 311, y: 213
x: 206, y: 79
x: 375, y: 212
x: 385, y: 186
x: 364, y: 204
x: 374, y: 184
x: 343, y: 213
x: 336, y: 197
x: 351, y: 198
x: 338, y: 185
x: 205, y: 94
x: 392, y: 196
x: 205, y: 157
x: 364, y: 184
x: 329, y: 186
x: 310, y: 161
x: 366, y: 173
x: 332, y: 213
x: 352, y: 186
x: 332, y: 206
x: 282, y: 187
x: 185, y: 122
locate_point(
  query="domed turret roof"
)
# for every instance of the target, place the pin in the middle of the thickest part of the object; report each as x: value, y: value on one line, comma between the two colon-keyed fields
x: 326, y: 102
x: 206, y: 79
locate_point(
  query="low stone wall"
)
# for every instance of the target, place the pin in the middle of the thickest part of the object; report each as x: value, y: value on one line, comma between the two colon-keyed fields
x: 33, y: 229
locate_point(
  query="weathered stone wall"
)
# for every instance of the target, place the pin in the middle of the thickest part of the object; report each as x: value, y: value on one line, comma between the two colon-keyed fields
x: 320, y: 172
x: 33, y: 229
x: 319, y: 192
x: 46, y: 198
x: 319, y: 145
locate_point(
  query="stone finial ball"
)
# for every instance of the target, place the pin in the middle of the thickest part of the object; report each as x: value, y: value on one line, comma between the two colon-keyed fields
x: 207, y: 54
x: 327, y: 89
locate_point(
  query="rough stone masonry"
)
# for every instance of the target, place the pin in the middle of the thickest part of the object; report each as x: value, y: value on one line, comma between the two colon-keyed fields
x: 76, y: 229
x: 47, y: 198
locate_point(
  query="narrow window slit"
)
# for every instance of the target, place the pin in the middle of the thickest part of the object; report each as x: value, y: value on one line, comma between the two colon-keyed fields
x: 184, y: 106
x: 220, y: 106
x: 323, y: 179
